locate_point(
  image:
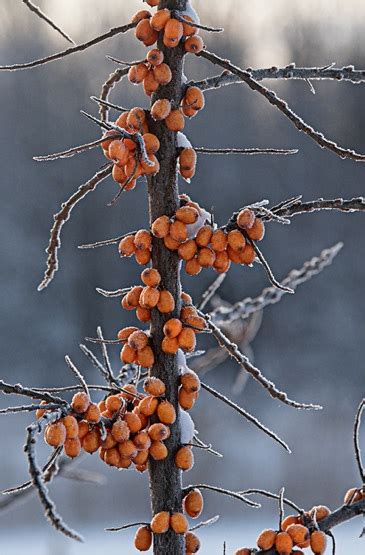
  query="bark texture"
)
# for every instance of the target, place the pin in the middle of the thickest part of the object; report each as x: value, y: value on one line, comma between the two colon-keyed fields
x: 165, y: 478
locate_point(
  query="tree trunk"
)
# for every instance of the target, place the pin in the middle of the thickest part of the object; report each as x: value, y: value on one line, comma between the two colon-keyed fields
x: 165, y: 477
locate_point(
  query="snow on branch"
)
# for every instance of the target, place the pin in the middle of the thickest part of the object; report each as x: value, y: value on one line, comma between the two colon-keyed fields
x: 35, y: 9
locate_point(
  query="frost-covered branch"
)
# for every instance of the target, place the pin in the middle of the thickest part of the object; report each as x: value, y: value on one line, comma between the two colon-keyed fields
x: 35, y: 9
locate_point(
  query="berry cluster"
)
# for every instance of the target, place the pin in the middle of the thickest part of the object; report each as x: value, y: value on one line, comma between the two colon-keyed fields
x: 180, y: 332
x: 174, y: 30
x: 299, y: 531
x: 201, y: 245
x: 163, y: 521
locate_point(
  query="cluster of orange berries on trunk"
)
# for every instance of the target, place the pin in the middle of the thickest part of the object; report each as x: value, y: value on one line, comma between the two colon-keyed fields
x: 294, y: 533
x: 174, y: 31
x: 205, y: 246
x: 180, y: 332
x: 131, y: 437
x: 164, y: 521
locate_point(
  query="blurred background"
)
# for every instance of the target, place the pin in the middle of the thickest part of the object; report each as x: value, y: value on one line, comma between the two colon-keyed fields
x: 311, y: 344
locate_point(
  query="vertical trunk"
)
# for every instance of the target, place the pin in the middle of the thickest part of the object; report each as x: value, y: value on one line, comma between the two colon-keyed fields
x: 165, y: 478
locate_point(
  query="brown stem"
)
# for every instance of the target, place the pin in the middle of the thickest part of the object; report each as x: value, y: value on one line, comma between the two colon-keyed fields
x: 165, y: 477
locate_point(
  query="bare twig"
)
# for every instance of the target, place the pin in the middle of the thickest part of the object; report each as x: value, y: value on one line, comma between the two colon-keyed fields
x: 272, y: 295
x: 34, y: 393
x: 248, y: 151
x: 181, y: 18
x: 72, y: 50
x: 112, y: 294
x: 35, y: 9
x: 29, y: 408
x: 133, y: 525
x: 94, y: 360
x: 112, y: 80
x: 106, y: 104
x: 246, y: 415
x: 299, y: 207
x: 75, y: 150
x: 281, y: 507
x: 37, y: 475
x: 123, y: 63
x: 270, y: 495
x: 222, y: 491
x: 211, y: 291
x: 299, y: 123
x: 106, y: 242
x: 243, y: 361
x: 61, y: 218
x: 274, y: 282
x: 26, y: 485
x: 356, y: 438
x: 289, y: 73
x: 110, y: 377
x: 204, y: 523
x: 78, y: 375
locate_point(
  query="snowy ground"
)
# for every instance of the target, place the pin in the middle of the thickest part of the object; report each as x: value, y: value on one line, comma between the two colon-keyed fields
x: 46, y: 542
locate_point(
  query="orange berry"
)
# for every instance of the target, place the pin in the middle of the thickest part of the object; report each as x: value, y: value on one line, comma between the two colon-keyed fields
x: 257, y: 231
x: 204, y: 236
x: 158, y: 451
x: 266, y: 539
x: 219, y: 240
x: 109, y: 441
x: 55, y: 434
x: 142, y: 441
x: 172, y: 327
x: 243, y: 551
x: 118, y: 152
x: 246, y: 218
x: 321, y: 512
x: 187, y: 164
x: 148, y: 405
x: 125, y: 304
x: 187, y: 250
x: 150, y: 85
x: 158, y: 432
x: 192, y: 543
x: 298, y: 533
x: 124, y: 462
x: 128, y: 355
x: 72, y: 447
x: 283, y: 543
x: 127, y: 449
x: 124, y: 333
x: 91, y: 441
x: 105, y: 144
x: 144, y: 32
x: 112, y: 457
x: 83, y: 428
x: 173, y: 31
x: 71, y: 425
x: 222, y: 262
x: 187, y: 214
x: 193, y: 503
x: 133, y: 296
x: 170, y: 345
x: 192, y: 267
x: 133, y: 421
x: 92, y: 414
x: 142, y: 14
x: 121, y: 121
x: 287, y: 521
x: 190, y: 381
x: 188, y: 312
x: 184, y: 458
x: 175, y: 121
x: 143, y: 240
x: 120, y: 430
x: 160, y: 18
x: 151, y: 142
x: 137, y: 74
x: 194, y: 98
x: 194, y: 44
x: 236, y: 240
x: 179, y: 523
x: 141, y: 457
x: 150, y: 170
x: 197, y: 322
x: 143, y: 257
x: 143, y: 538
x: 119, y: 175
x: 162, y: 74
x: 206, y: 257
x: 153, y: 3
x: 80, y: 402
x: 149, y: 298
x: 187, y: 340
x: 318, y: 542
x: 161, y: 227
x: 160, y: 522
x: 188, y: 30
x: 178, y: 231
x: 151, y: 277
x: 40, y: 412
x: 166, y: 302
x: 145, y: 357
x: 154, y: 386
x: 127, y: 246
x: 136, y: 118
x: 248, y: 255
x: 186, y: 399
x: 166, y: 412
x: 138, y: 340
x: 155, y: 57
x: 143, y: 314
x: 171, y: 243
x: 152, y: 39
x: 113, y: 403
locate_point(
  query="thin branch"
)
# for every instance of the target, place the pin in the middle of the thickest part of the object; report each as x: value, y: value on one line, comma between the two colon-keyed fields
x: 61, y: 218
x: 18, y: 389
x: 37, y: 476
x: 35, y: 9
x: 271, y: 495
x: 246, y: 415
x: 123, y: 63
x: 78, y: 375
x: 356, y: 438
x: 75, y: 388
x: 211, y: 291
x: 74, y: 150
x: 352, y: 205
x: 110, y: 377
x: 268, y: 270
x: 106, y: 242
x: 209, y: 448
x: 72, y: 50
x: 272, y: 295
x: 284, y: 108
x: 94, y: 361
x: 112, y: 294
x: 29, y: 408
x: 26, y: 485
x: 181, y: 18
x: 288, y: 73
x: 108, y: 104
x: 204, y: 523
x: 109, y: 84
x: 249, y: 151
x: 243, y: 361
x: 281, y: 507
x: 133, y: 525
x: 222, y: 491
